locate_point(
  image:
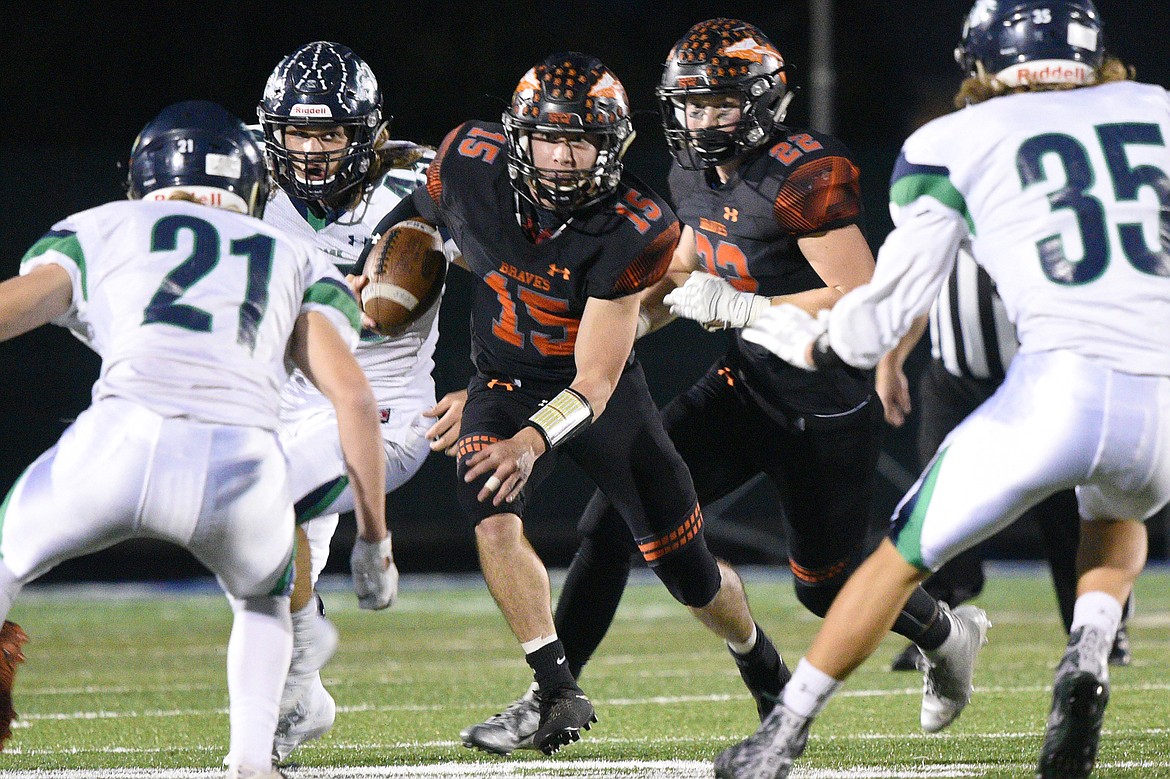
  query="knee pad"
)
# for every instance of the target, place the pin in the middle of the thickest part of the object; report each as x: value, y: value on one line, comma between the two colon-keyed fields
x: 816, y: 589
x: 690, y: 573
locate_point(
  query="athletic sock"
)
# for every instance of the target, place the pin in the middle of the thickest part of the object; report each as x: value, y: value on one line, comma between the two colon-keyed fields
x: 808, y: 690
x: 550, y: 667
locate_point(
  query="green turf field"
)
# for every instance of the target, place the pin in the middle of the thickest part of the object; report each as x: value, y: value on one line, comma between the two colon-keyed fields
x: 125, y: 684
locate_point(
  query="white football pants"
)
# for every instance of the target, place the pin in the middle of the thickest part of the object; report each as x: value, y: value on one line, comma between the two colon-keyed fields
x: 1059, y: 420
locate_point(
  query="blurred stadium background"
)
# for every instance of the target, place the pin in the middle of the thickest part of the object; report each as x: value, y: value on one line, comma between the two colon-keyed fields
x: 81, y: 81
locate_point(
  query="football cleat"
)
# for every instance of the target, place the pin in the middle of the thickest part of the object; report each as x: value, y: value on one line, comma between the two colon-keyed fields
x: 768, y: 753
x: 315, y: 641
x: 564, y: 712
x: 946, y: 682
x: 311, y: 718
x: 1079, y: 697
x: 511, y: 729
x: 12, y: 638
x: 764, y: 672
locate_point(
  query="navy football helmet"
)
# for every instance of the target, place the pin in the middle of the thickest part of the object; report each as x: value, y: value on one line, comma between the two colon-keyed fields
x: 321, y: 84
x: 722, y: 57
x: 568, y: 94
x: 1032, y: 41
x: 199, y: 147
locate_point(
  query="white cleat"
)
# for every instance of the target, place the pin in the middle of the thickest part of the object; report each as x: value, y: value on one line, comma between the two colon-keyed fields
x: 946, y: 683
x: 511, y: 729
x: 311, y: 718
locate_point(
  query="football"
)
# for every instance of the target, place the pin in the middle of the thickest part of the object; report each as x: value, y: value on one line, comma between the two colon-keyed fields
x: 406, y: 269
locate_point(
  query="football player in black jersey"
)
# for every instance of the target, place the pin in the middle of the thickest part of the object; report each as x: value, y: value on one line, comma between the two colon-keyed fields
x: 771, y: 214
x: 566, y: 246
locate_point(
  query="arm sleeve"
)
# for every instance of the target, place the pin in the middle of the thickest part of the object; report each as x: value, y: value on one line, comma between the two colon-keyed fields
x: 912, y: 266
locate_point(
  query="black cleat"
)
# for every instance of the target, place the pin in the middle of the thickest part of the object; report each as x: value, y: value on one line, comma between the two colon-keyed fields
x: 1074, y: 726
x: 1079, y: 697
x: 764, y: 672
x: 564, y: 712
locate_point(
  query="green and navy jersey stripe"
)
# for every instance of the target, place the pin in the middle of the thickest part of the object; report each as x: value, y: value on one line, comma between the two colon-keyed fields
x: 65, y: 242
x: 334, y: 293
x: 911, y: 181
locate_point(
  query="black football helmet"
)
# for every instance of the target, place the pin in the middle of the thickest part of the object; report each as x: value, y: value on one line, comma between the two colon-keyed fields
x: 1032, y: 41
x: 574, y: 94
x: 200, y: 147
x: 321, y: 83
x: 722, y: 57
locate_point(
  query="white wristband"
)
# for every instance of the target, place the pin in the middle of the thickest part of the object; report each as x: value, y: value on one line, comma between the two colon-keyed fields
x: 558, y: 420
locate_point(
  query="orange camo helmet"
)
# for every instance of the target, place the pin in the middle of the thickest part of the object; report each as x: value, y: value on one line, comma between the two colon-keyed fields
x: 568, y: 93
x: 722, y: 57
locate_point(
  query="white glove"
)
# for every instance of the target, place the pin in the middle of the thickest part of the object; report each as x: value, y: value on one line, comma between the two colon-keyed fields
x: 714, y: 303
x: 787, y: 332
x: 375, y: 576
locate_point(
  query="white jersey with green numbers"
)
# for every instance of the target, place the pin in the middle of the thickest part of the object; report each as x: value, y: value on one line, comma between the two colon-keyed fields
x: 191, y: 307
x: 392, y: 365
x: 1065, y: 196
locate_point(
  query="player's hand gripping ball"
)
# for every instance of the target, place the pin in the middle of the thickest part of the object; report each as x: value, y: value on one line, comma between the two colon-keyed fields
x: 406, y: 269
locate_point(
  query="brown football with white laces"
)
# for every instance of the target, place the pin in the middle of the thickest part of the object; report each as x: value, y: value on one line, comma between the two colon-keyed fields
x: 406, y: 269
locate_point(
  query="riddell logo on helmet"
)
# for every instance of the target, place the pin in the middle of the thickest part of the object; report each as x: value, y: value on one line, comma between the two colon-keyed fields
x: 1052, y: 74
x: 307, y: 110
x: 559, y: 117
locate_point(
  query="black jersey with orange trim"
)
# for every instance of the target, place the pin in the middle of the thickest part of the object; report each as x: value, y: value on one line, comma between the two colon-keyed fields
x: 746, y: 231
x: 526, y: 313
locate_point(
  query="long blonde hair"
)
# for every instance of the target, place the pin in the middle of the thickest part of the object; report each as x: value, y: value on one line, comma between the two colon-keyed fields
x: 977, y: 89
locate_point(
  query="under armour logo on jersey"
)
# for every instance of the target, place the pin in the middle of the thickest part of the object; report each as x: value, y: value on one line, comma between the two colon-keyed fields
x: 726, y: 374
x: 509, y: 386
x: 554, y: 270
x: 730, y: 214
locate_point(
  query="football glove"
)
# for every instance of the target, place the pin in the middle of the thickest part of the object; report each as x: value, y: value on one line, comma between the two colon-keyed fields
x: 787, y: 332
x: 714, y: 303
x: 375, y: 576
